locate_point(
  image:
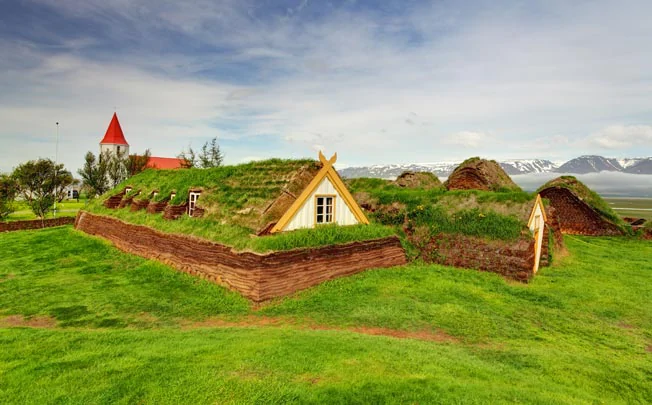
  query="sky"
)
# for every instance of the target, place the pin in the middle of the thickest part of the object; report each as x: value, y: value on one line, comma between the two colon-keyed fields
x: 377, y: 82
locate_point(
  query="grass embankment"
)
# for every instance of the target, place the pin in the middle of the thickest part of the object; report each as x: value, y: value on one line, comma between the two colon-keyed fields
x: 119, y: 331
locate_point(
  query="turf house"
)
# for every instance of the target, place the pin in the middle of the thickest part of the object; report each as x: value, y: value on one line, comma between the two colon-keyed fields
x: 265, y: 228
x: 579, y: 210
x: 479, y: 219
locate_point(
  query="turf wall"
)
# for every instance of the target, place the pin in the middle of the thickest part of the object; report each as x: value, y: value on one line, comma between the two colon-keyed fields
x: 514, y: 260
x: 258, y: 277
x: 35, y: 224
x: 575, y: 216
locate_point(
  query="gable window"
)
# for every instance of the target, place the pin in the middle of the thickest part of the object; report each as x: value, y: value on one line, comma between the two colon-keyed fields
x: 537, y: 222
x: 324, y: 209
x: 193, y: 196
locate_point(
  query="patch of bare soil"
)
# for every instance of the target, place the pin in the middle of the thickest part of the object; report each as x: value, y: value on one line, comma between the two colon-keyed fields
x: 648, y: 349
x: 263, y: 321
x: 19, y: 321
x: 7, y: 277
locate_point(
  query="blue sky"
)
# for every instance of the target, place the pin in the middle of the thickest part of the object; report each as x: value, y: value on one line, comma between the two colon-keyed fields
x: 377, y: 82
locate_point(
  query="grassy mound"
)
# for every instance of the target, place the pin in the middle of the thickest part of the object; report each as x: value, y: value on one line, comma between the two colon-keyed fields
x: 237, y: 195
x: 423, y: 180
x: 492, y: 215
x: 480, y: 174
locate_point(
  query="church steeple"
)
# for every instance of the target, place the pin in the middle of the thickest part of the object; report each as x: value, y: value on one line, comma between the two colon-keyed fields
x: 114, y: 135
x: 114, y: 139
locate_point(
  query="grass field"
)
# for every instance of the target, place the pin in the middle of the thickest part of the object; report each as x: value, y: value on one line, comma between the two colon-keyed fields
x: 632, y: 207
x: 66, y: 208
x: 81, y: 322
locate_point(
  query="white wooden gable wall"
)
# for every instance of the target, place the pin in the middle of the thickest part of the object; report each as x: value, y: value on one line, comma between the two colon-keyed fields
x: 305, y: 216
x: 536, y: 226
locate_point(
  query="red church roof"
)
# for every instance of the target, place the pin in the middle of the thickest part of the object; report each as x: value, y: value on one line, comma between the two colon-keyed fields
x: 114, y: 133
x: 156, y: 162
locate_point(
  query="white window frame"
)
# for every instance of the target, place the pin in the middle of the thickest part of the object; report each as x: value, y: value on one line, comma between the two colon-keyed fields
x: 193, y: 196
x: 327, y: 216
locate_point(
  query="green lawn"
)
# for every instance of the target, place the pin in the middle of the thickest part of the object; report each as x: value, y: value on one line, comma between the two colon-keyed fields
x: 119, y: 329
x: 66, y: 208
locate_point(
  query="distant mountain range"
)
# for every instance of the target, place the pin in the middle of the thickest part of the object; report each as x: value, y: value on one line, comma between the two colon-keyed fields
x: 580, y: 165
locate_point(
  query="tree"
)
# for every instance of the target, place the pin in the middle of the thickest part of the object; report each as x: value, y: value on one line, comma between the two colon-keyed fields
x: 209, y: 156
x: 94, y: 176
x: 136, y: 163
x: 189, y: 158
x: 65, y: 180
x: 8, y: 191
x: 39, y: 182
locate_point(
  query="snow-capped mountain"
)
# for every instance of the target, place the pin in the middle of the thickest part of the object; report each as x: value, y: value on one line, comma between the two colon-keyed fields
x: 524, y: 166
x: 580, y: 165
x: 590, y: 164
x: 441, y: 169
x: 642, y: 166
x: 628, y: 162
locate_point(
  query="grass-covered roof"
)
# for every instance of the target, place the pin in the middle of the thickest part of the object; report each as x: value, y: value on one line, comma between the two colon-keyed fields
x: 495, y: 215
x: 425, y: 180
x: 248, y: 195
x: 480, y: 174
x: 238, y: 201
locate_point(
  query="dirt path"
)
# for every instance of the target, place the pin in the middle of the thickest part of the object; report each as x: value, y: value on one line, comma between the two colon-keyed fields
x: 46, y: 322
x: 306, y: 324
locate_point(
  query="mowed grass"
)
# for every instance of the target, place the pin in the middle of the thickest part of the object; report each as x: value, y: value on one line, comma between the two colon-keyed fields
x: 581, y: 332
x: 66, y: 208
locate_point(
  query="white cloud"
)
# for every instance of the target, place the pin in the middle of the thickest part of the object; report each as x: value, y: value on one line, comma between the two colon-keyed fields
x: 355, y: 79
x: 470, y: 139
x: 623, y: 136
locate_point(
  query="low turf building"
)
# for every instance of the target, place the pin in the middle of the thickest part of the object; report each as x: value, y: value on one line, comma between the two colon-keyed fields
x: 478, y: 219
x: 265, y: 228
x: 579, y: 210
